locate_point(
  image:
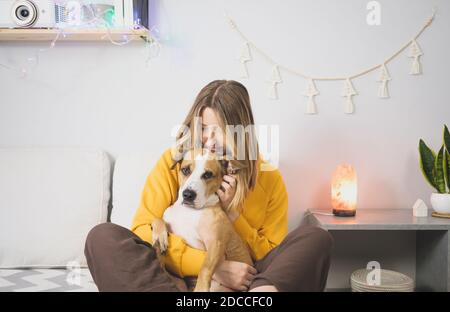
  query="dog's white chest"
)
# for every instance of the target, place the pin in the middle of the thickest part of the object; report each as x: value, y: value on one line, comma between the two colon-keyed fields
x: 183, y: 221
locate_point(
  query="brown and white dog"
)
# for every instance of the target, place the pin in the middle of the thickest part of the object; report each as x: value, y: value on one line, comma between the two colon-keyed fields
x: 197, y: 216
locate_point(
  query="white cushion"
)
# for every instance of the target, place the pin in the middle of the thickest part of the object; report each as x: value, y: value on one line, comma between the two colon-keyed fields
x: 130, y: 173
x: 49, y: 199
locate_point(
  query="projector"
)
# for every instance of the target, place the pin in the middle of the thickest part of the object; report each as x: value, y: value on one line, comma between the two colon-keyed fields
x: 27, y: 14
x: 101, y: 13
x: 89, y: 13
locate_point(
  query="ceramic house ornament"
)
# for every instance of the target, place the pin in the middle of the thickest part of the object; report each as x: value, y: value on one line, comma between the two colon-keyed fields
x: 420, y: 209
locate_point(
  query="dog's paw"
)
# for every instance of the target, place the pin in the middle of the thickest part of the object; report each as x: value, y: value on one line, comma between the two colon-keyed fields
x: 201, y: 288
x: 160, y: 242
x: 160, y: 236
x: 203, y: 284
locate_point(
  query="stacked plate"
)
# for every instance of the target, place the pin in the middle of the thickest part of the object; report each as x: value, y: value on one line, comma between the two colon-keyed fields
x: 390, y: 281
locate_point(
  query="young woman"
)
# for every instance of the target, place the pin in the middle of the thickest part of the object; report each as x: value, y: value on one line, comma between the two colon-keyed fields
x: 124, y: 260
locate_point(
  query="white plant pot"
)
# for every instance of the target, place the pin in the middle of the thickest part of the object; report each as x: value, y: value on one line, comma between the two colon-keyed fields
x: 440, y: 202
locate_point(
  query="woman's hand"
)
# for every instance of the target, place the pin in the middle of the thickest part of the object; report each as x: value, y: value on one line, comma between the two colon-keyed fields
x: 226, y: 193
x: 235, y: 275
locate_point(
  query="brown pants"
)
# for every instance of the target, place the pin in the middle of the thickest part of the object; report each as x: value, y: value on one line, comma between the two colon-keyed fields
x: 121, y: 261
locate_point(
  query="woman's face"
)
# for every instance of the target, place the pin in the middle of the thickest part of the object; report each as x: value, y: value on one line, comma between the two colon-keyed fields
x: 212, y: 138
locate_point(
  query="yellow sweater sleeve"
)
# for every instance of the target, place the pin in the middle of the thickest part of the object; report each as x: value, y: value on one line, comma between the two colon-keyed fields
x: 160, y: 192
x: 275, y: 226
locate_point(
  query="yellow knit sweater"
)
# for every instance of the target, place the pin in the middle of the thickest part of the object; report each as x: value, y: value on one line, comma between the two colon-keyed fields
x: 262, y: 223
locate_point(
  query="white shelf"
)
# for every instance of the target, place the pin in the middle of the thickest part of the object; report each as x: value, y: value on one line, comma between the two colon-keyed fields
x: 44, y: 34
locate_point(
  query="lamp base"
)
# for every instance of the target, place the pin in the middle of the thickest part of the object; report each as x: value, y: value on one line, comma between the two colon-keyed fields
x: 344, y: 213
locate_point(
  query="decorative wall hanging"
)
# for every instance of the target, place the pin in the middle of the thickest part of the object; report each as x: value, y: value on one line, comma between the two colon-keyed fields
x: 349, y: 91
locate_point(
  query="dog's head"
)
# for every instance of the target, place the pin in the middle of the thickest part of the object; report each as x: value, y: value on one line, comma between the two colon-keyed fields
x: 200, y: 176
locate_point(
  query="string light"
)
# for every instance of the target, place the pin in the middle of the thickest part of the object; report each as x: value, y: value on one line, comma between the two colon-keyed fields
x: 153, y: 45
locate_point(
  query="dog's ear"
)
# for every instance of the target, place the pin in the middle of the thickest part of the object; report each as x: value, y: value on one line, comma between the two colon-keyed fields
x: 224, y: 165
x: 175, y: 163
x: 179, y: 150
x: 231, y: 166
x: 234, y: 166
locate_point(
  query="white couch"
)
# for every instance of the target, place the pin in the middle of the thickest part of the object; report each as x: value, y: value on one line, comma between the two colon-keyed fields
x: 49, y: 199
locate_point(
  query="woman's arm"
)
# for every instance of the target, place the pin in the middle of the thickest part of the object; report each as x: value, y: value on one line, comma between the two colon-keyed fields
x: 160, y: 192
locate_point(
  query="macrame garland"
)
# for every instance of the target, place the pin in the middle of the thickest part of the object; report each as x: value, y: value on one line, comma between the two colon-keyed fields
x: 274, y: 79
x: 348, y: 92
x: 311, y: 92
x: 383, y: 91
x: 415, y: 52
x: 244, y: 58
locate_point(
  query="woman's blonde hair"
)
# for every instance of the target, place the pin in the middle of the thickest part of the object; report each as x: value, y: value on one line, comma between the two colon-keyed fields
x: 231, y: 103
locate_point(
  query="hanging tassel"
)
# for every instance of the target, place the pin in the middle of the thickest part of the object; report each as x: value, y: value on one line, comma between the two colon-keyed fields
x: 416, y: 67
x: 311, y: 107
x: 244, y: 58
x: 349, y: 106
x: 311, y: 92
x: 274, y: 79
x: 348, y: 92
x: 272, y: 93
x: 383, y: 91
x: 415, y: 52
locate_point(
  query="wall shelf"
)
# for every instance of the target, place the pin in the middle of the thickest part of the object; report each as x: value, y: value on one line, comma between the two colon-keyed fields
x: 44, y: 34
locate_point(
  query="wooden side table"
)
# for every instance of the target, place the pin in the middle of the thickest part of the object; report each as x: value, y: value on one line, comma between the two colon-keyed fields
x: 432, y: 248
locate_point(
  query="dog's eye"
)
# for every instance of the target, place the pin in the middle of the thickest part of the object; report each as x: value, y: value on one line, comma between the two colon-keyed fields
x: 186, y: 171
x: 207, y: 175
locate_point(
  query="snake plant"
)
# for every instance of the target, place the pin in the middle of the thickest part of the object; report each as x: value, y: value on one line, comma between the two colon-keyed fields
x: 436, y: 167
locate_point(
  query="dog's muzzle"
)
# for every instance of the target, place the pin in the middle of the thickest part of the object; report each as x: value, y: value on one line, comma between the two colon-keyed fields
x: 189, y: 196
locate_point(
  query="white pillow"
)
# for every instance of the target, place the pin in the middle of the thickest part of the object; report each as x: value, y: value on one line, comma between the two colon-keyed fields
x: 130, y: 174
x: 49, y: 199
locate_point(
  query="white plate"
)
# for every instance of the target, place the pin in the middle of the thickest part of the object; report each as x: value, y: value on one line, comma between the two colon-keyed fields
x: 390, y: 281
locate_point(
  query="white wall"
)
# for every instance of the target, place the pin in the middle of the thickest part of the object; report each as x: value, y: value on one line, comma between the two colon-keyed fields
x: 101, y: 95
